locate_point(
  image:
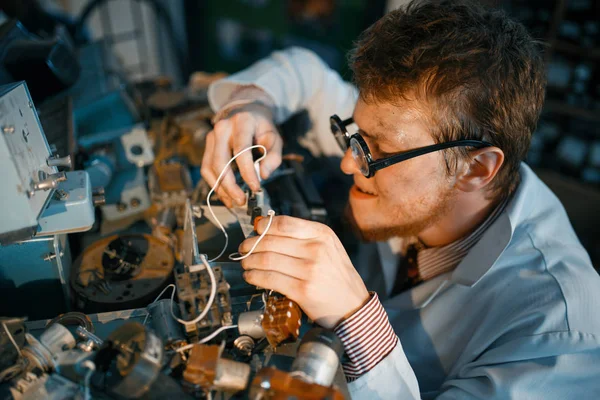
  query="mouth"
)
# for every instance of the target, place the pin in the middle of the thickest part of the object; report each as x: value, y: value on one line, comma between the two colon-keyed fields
x: 360, y: 193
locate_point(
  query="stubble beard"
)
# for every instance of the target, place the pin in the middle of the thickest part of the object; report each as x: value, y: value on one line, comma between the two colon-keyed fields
x: 407, y: 229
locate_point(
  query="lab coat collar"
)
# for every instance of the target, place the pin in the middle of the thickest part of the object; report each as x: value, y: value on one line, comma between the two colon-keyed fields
x: 494, y: 241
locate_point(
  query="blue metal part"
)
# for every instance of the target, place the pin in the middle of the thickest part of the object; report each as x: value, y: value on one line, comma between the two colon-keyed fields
x: 24, y: 152
x: 101, y: 168
x: 71, y: 208
x: 34, y: 277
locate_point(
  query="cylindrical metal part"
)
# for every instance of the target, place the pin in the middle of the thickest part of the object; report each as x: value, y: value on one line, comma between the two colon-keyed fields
x: 100, y: 168
x: 57, y: 338
x: 250, y: 323
x: 256, y: 212
x: 251, y: 203
x: 260, y: 198
x: 318, y: 357
x: 163, y: 323
x: 231, y: 375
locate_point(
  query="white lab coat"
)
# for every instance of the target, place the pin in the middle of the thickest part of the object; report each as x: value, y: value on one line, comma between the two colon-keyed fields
x: 519, y: 318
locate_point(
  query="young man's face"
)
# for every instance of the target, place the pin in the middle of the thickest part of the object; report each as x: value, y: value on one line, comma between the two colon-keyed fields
x: 405, y: 198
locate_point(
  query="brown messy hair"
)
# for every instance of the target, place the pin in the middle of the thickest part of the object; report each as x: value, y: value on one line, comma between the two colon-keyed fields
x: 479, y: 73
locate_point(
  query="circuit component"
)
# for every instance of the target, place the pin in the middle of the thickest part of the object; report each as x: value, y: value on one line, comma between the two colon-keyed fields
x: 312, y: 372
x: 281, y: 320
x: 209, y: 370
x: 193, y: 291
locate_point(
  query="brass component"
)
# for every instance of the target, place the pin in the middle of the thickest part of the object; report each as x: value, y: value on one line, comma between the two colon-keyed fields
x: 273, y: 384
x: 207, y: 369
x: 281, y: 320
x: 170, y: 177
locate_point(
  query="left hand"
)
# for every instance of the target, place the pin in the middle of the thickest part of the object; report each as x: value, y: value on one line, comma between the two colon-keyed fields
x: 305, y: 261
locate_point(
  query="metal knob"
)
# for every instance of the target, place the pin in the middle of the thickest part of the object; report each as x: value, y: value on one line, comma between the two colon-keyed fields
x: 59, y: 161
x: 51, y: 182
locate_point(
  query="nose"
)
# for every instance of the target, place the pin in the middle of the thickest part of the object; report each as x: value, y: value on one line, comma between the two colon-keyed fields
x: 348, y: 165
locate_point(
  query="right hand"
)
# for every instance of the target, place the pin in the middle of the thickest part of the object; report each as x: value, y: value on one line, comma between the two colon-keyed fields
x: 250, y: 124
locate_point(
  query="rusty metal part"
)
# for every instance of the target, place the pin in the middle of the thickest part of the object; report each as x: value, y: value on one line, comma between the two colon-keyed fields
x: 281, y: 320
x: 121, y: 271
x: 273, y: 384
x: 132, y: 358
x: 207, y: 369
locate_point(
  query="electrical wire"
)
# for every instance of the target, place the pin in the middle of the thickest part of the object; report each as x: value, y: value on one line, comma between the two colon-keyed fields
x: 155, y: 300
x: 207, y: 338
x: 218, y: 181
x: 233, y: 257
x: 211, y: 297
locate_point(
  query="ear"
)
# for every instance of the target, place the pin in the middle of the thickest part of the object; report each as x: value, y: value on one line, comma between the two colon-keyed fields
x: 481, y: 169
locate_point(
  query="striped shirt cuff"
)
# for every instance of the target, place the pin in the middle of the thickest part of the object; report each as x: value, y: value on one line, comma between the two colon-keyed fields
x: 367, y: 337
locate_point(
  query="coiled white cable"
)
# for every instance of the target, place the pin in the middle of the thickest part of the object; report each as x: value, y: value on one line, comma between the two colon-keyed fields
x: 237, y: 257
x: 207, y: 338
x: 218, y: 181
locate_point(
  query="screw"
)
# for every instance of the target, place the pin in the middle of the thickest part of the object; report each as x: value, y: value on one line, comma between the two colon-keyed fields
x: 135, y: 202
x: 121, y: 206
x: 8, y: 129
x: 61, y: 194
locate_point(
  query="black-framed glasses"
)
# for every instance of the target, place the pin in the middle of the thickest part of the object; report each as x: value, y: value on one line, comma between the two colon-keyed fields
x: 362, y: 155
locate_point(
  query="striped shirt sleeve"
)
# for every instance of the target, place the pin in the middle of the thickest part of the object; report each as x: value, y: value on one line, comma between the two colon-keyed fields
x: 367, y: 337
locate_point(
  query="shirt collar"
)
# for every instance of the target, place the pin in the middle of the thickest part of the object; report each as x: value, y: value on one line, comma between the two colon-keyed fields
x: 494, y: 241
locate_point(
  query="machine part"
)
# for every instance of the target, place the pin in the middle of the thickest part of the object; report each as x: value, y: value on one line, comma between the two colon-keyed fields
x: 49, y: 387
x: 23, y: 154
x: 252, y: 203
x: 281, y: 320
x: 12, y: 336
x: 73, y: 318
x: 272, y: 384
x: 48, y: 182
x: 193, y: 291
x: 260, y: 198
x: 244, y: 344
x: 54, y: 340
x: 72, y: 210
x: 101, y: 167
x: 250, y: 323
x: 129, y: 362
x: 170, y: 185
x: 126, y: 185
x: 137, y: 147
x: 56, y: 161
x: 120, y: 272
x: 256, y: 212
x: 208, y: 369
x: 163, y: 323
x: 318, y: 357
x: 91, y: 341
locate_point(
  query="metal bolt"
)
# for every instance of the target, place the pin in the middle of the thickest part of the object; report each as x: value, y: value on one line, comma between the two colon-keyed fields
x: 135, y: 202
x: 60, y: 194
x: 121, y: 206
x: 31, y: 104
x: 8, y: 129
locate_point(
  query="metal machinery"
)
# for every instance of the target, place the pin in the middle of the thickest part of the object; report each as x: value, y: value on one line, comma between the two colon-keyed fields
x: 136, y: 310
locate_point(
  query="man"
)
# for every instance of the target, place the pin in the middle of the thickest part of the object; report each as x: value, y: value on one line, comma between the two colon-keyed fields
x: 494, y: 296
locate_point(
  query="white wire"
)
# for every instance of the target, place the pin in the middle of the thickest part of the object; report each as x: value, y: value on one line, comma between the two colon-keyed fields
x: 10, y: 336
x: 207, y: 338
x: 257, y: 146
x: 156, y: 299
x: 232, y: 257
x: 211, y: 297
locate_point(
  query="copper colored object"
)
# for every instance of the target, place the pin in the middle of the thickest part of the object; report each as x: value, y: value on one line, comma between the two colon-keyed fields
x: 273, y: 384
x: 201, y: 368
x: 281, y: 320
